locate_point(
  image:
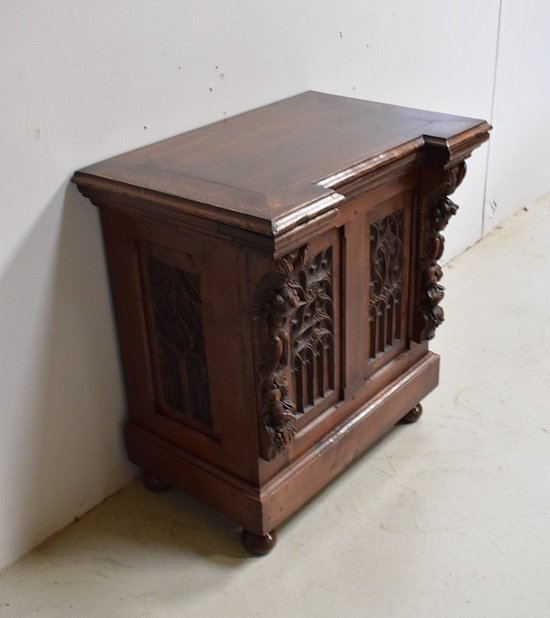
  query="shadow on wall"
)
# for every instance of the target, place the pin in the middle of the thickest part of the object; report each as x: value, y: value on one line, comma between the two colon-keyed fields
x: 63, y: 405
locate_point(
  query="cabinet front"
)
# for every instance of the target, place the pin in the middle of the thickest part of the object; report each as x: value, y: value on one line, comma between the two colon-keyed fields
x: 330, y: 318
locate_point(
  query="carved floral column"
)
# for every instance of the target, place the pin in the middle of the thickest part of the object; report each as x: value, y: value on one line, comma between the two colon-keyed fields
x: 435, y: 211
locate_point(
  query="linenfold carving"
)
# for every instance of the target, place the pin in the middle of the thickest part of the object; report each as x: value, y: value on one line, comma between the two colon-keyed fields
x: 436, y: 210
x: 293, y: 327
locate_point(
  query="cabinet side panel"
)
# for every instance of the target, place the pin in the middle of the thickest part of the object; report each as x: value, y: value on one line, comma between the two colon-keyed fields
x: 124, y: 275
x: 178, y: 298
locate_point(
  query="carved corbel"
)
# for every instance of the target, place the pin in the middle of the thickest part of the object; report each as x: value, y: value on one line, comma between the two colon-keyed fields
x: 436, y: 209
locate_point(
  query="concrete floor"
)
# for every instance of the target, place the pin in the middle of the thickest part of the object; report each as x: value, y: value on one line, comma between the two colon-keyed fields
x: 446, y: 518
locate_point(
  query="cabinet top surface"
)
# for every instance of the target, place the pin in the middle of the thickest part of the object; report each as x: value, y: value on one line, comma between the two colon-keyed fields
x: 274, y: 167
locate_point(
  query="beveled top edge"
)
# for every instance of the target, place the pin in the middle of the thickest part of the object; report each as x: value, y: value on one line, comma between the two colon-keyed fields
x: 95, y: 188
x: 428, y: 135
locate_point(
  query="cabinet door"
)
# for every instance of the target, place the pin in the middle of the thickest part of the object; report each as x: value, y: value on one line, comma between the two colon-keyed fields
x: 315, y: 331
x: 330, y: 316
x: 376, y: 283
x: 296, y: 324
x: 388, y: 258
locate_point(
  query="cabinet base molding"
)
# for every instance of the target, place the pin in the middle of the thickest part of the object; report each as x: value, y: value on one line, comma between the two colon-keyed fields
x: 262, y: 509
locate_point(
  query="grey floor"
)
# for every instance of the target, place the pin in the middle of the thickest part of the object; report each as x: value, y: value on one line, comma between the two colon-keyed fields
x: 446, y: 518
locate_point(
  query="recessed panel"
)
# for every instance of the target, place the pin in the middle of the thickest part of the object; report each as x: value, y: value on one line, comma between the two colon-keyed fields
x: 312, y: 331
x: 179, y: 353
x: 386, y: 283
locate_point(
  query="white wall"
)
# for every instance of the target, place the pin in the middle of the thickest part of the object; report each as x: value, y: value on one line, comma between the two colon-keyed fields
x: 428, y: 54
x: 81, y: 81
x: 519, y: 164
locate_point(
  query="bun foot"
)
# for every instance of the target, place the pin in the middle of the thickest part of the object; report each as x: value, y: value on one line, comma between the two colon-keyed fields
x: 258, y: 544
x: 412, y: 415
x: 152, y: 483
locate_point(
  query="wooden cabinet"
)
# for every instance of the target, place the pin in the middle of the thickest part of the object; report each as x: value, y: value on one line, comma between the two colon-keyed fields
x: 275, y: 283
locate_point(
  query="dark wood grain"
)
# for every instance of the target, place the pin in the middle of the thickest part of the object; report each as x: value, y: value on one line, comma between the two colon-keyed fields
x: 275, y: 282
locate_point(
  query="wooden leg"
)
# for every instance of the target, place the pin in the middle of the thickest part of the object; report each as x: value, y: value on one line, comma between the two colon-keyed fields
x: 258, y: 544
x: 412, y: 415
x: 152, y: 483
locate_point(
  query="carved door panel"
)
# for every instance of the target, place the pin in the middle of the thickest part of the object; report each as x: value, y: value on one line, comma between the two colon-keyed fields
x: 296, y: 311
x: 315, y: 331
x: 388, y: 249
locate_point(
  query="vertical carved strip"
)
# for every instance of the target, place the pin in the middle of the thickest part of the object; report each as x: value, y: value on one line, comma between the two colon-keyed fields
x: 385, y: 286
x: 435, y: 212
